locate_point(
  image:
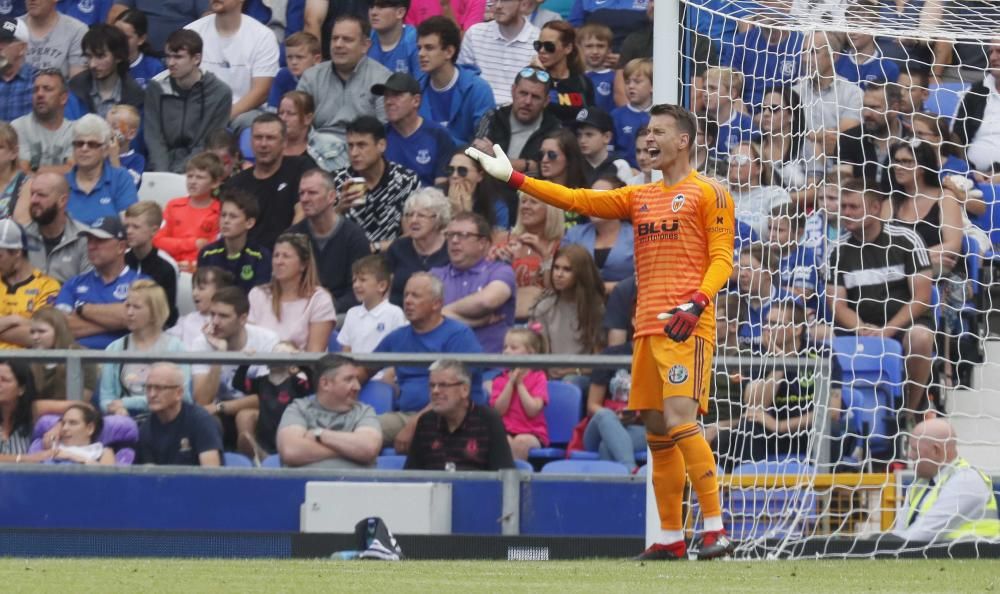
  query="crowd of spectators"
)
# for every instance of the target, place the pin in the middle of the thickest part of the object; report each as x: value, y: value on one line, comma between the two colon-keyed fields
x: 322, y: 150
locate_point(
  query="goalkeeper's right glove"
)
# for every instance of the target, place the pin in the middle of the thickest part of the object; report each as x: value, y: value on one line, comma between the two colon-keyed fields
x: 498, y: 165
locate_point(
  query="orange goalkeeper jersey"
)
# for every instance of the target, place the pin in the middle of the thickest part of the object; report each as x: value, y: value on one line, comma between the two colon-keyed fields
x: 683, y: 240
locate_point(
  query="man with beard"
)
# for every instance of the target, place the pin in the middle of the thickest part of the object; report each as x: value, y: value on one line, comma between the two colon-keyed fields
x: 864, y: 149
x: 56, y: 244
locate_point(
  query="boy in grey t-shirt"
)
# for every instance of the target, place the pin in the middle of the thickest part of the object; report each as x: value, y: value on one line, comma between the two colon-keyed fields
x: 61, y: 48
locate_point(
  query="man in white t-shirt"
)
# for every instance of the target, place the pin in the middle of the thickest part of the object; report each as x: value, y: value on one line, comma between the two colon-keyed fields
x: 229, y: 331
x: 242, y: 53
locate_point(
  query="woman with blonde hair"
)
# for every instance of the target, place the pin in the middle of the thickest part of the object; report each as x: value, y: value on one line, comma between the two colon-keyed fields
x: 14, y: 193
x: 123, y: 386
x: 529, y: 248
x: 293, y: 304
x: 50, y: 330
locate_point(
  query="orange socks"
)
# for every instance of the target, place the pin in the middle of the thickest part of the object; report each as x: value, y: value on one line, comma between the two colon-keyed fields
x: 701, y: 468
x: 668, y: 481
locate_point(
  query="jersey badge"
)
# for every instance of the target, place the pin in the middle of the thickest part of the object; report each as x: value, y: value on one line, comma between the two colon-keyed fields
x: 423, y: 156
x: 86, y: 6
x: 678, y: 374
x: 185, y: 445
x: 121, y: 291
x: 677, y: 203
x: 247, y: 272
x: 6, y: 6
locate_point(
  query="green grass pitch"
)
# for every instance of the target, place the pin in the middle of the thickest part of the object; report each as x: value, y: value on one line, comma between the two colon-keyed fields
x: 189, y: 576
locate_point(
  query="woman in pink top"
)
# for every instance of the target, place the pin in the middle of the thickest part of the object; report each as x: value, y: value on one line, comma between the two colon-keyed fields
x: 293, y: 305
x: 520, y: 395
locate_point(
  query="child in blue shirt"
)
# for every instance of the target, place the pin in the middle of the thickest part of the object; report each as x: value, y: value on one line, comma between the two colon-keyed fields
x: 394, y: 44
x: 302, y: 51
x: 124, y: 121
x: 595, y: 45
x: 634, y: 116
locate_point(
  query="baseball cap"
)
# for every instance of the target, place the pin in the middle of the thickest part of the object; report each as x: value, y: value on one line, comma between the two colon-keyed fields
x: 13, y: 30
x: 11, y: 235
x: 594, y: 117
x: 399, y: 82
x: 106, y: 228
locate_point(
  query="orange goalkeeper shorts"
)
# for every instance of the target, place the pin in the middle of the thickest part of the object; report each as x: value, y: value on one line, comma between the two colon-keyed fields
x: 662, y: 368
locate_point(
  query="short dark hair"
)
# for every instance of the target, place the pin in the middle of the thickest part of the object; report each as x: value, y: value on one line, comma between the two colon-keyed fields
x: 329, y: 364
x: 367, y: 125
x: 220, y: 277
x: 366, y: 27
x: 857, y: 185
x: 90, y: 417
x: 686, y: 122
x: 184, y: 40
x: 482, y: 225
x: 447, y: 31
x: 234, y: 296
x: 243, y: 200
x: 270, y: 118
x: 103, y: 38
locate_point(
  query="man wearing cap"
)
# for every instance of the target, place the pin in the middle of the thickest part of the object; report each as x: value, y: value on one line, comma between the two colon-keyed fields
x: 23, y: 288
x: 95, y: 301
x: 378, y: 205
x: 420, y: 145
x: 594, y: 131
x: 16, y: 75
x: 520, y: 128
x: 58, y: 246
x: 342, y: 86
x: 394, y: 43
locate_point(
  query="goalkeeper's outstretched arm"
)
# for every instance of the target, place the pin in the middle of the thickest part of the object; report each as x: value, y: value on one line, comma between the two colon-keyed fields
x: 607, y: 204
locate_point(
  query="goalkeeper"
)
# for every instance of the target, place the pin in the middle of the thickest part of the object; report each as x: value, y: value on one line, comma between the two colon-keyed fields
x: 683, y: 230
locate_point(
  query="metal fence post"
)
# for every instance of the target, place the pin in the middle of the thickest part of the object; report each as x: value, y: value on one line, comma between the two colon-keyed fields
x: 510, y: 506
x: 74, y: 378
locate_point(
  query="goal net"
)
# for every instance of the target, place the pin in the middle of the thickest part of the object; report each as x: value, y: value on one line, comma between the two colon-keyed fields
x: 860, y: 302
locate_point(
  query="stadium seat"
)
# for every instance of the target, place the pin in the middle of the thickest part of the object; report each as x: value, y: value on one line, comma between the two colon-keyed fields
x: 236, y: 460
x: 524, y: 466
x: 332, y: 346
x: 162, y: 187
x: 378, y: 395
x: 272, y: 461
x: 641, y: 471
x: 584, y: 455
x: 872, y: 375
x: 120, y: 433
x: 584, y: 467
x: 390, y: 462
x: 944, y: 98
x: 770, y: 513
x: 561, y: 415
x: 246, y: 146
x: 185, y: 301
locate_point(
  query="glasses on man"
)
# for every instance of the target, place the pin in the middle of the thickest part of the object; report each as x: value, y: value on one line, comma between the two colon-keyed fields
x: 91, y: 144
x: 546, y: 46
x: 739, y: 160
x: 460, y: 235
x: 539, y: 75
x: 161, y: 387
x: 461, y: 170
x: 443, y: 385
x: 550, y: 155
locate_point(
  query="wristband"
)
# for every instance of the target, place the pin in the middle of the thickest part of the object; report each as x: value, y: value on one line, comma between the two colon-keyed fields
x: 516, y: 180
x: 700, y: 299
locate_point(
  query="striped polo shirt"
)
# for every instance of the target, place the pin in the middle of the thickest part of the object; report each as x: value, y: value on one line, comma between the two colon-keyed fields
x: 499, y: 58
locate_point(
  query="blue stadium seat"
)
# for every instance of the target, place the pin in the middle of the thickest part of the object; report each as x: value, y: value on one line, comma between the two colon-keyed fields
x: 584, y: 467
x: 872, y: 375
x: 332, y: 346
x: 390, y: 462
x: 378, y: 395
x: 944, y: 98
x: 235, y: 460
x: 990, y: 220
x: 246, y: 146
x: 771, y: 513
x: 524, y: 466
x: 561, y: 415
x: 272, y: 461
x: 642, y: 470
x: 584, y: 455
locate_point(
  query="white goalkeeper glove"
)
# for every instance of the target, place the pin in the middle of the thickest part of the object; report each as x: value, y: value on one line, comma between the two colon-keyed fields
x: 498, y: 166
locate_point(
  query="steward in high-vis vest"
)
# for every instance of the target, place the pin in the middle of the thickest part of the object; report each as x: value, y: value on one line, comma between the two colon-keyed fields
x: 950, y: 499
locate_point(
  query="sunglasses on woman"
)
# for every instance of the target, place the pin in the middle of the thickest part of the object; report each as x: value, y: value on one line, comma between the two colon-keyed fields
x: 91, y: 144
x: 550, y: 155
x: 461, y: 170
x: 547, y: 46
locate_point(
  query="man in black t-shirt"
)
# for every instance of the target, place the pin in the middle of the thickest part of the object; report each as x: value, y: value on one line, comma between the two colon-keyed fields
x: 456, y: 432
x: 880, y: 285
x: 273, y: 180
x: 176, y: 432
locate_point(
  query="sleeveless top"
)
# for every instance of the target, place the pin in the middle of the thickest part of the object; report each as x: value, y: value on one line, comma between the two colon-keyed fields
x: 928, y: 228
x: 8, y: 196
